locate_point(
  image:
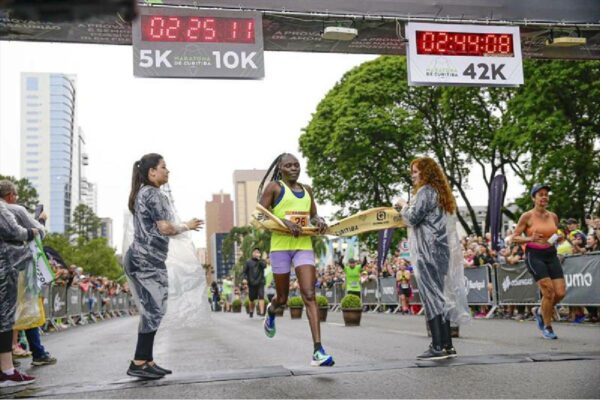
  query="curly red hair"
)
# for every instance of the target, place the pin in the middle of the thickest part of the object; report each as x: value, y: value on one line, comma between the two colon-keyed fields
x: 432, y: 174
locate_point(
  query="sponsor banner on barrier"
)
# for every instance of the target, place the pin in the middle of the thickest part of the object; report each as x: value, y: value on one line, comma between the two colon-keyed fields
x: 328, y: 293
x: 582, y: 277
x: 73, y: 301
x: 59, y: 301
x: 338, y: 292
x: 476, y: 282
x: 416, y: 297
x: 516, y: 285
x: 369, y: 292
x: 97, y: 303
x: 47, y: 301
x: 387, y: 288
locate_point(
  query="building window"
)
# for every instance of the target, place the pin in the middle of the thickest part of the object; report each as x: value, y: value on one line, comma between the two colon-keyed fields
x: 33, y: 129
x: 33, y: 161
x: 32, y: 137
x: 32, y: 169
x: 33, y: 121
x: 33, y: 113
x: 32, y: 83
x: 32, y: 145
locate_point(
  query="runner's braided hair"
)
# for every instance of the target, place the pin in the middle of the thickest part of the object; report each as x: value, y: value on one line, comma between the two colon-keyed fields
x: 273, y: 171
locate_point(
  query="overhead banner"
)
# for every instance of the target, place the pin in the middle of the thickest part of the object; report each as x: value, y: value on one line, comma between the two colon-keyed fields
x: 463, y: 55
x: 192, y: 43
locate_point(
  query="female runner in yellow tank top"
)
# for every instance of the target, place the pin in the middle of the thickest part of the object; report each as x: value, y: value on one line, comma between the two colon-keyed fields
x: 294, y: 204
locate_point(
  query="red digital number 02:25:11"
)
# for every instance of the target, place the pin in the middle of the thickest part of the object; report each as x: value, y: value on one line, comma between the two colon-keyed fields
x: 158, y: 28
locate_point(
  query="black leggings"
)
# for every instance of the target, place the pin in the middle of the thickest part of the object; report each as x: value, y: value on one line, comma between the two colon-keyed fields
x: 145, y: 345
x: 6, y: 341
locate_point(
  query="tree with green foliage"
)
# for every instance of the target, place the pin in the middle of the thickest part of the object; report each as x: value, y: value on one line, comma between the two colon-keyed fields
x: 367, y: 129
x: 551, y: 131
x: 85, y: 223
x: 28, y: 196
x: 95, y: 256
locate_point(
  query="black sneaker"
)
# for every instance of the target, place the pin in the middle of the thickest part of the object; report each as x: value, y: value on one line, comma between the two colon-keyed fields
x: 46, y: 359
x: 144, y: 371
x: 163, y: 370
x: 433, y: 354
x: 251, y: 315
x: 450, y: 351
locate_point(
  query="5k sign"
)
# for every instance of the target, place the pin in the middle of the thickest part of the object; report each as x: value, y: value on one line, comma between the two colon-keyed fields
x: 463, y: 55
x: 186, y: 43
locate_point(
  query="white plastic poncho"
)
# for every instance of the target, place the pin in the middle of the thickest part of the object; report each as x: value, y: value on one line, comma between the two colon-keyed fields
x: 185, y: 276
x: 437, y: 257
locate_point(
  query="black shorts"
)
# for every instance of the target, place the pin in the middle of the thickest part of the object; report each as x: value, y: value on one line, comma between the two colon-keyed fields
x: 404, y: 291
x: 543, y: 263
x: 256, y: 292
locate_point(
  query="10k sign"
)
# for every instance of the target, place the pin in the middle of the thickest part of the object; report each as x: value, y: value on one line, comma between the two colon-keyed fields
x: 187, y: 43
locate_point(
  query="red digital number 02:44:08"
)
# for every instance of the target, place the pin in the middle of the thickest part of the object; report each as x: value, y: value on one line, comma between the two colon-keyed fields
x: 464, y: 44
x: 159, y: 28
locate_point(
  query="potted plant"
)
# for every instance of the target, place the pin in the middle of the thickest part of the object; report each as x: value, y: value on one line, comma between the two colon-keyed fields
x: 351, y: 309
x: 236, y: 305
x: 323, y: 305
x: 296, y: 305
x: 247, y: 305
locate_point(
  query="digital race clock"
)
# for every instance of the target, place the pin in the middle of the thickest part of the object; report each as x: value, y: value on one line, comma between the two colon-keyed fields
x: 454, y: 54
x: 161, y: 28
x: 192, y: 43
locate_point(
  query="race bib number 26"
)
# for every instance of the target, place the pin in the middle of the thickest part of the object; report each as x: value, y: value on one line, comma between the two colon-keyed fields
x: 298, y: 217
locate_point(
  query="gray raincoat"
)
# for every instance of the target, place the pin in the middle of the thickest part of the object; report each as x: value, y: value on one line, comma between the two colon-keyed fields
x: 145, y: 259
x: 14, y: 256
x: 437, y: 257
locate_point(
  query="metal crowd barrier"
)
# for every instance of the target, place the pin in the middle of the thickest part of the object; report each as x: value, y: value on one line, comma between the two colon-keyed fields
x: 71, y: 305
x: 510, y: 285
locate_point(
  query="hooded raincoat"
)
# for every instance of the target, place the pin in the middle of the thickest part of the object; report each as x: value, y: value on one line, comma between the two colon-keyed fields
x: 436, y: 254
x: 145, y: 259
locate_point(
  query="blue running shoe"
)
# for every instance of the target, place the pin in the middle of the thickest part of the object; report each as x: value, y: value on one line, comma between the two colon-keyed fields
x: 580, y: 319
x: 549, y: 334
x: 269, y: 325
x: 538, y: 318
x: 322, y: 359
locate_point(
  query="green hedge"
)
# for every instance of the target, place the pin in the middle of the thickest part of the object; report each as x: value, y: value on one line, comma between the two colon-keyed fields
x: 295, y: 302
x: 351, y: 301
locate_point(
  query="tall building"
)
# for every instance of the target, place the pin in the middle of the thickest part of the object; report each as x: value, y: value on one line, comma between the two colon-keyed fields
x: 222, y: 266
x: 219, y: 219
x: 49, y: 142
x: 106, y: 229
x: 89, y: 194
x: 245, y: 183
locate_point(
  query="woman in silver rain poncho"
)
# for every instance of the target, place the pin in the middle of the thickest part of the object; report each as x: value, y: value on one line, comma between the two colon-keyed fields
x: 14, y: 256
x: 145, y: 259
x: 436, y: 254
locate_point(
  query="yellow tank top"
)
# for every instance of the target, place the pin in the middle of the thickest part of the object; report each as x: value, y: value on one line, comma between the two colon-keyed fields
x: 296, y: 210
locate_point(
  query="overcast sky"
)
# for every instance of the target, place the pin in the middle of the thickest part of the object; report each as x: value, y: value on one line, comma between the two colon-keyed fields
x: 204, y: 128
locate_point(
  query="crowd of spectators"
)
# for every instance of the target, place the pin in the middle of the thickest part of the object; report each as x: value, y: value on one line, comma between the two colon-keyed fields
x: 477, y: 251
